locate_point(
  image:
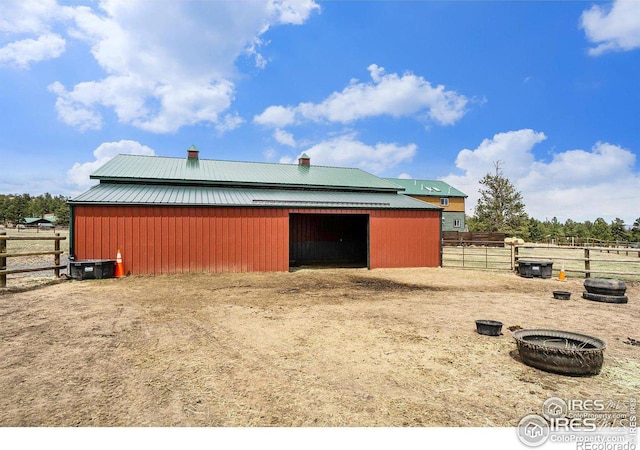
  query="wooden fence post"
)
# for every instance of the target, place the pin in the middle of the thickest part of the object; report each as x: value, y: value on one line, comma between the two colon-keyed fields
x: 56, y: 257
x: 3, y: 260
x: 587, y: 264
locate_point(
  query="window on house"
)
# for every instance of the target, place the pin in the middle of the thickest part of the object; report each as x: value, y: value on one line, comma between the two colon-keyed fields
x: 457, y: 223
x: 444, y: 202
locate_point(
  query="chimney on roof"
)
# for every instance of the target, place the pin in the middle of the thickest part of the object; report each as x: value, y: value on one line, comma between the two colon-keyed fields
x: 304, y: 160
x: 192, y: 152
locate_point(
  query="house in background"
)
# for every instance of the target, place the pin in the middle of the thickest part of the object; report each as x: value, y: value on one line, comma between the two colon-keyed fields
x: 174, y: 215
x: 440, y: 194
x: 39, y: 222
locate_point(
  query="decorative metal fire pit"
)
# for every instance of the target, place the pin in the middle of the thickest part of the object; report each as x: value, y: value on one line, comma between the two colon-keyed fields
x: 560, y: 352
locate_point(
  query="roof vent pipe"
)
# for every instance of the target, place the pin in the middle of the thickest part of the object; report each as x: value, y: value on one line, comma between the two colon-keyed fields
x: 192, y: 152
x: 304, y: 160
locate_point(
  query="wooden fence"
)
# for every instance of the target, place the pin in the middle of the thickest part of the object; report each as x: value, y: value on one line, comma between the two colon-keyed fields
x: 585, y: 260
x: 582, y: 261
x: 589, y: 242
x: 455, y: 238
x: 4, y: 255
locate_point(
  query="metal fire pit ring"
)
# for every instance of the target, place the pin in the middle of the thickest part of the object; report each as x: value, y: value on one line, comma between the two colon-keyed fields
x: 561, y: 352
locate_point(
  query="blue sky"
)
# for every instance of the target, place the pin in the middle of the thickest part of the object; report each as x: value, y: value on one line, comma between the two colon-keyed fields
x: 416, y: 89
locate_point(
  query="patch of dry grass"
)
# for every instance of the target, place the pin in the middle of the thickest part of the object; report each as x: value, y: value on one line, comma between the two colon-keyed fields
x: 349, y: 347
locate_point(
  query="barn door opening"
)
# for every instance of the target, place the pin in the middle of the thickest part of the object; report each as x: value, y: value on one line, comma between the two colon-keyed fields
x: 332, y: 240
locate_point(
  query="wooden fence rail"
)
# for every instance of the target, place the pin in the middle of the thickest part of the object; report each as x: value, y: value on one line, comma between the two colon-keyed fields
x: 587, y: 259
x: 582, y: 261
x: 4, y: 254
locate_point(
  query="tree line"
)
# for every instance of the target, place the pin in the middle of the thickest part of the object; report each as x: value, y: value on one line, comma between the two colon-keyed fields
x: 15, y: 208
x: 534, y: 230
x: 500, y: 208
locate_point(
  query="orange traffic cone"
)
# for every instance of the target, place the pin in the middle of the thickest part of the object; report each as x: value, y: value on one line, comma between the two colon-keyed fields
x: 119, y: 265
x: 561, y: 274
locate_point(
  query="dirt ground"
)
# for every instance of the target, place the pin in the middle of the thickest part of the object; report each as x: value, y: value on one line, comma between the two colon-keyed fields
x: 347, y: 347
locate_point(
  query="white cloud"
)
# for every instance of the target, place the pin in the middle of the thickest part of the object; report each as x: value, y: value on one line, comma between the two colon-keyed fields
x: 23, y: 53
x: 347, y: 151
x: 292, y: 12
x: 284, y: 138
x: 172, y: 66
x: 165, y: 67
x: 581, y: 168
x: 74, y: 113
x: 276, y: 116
x: 79, y: 173
x: 388, y: 94
x: 615, y: 28
x: 576, y: 184
x: 405, y: 176
x: 28, y: 16
x: 512, y: 148
x: 30, y: 20
x: 229, y: 122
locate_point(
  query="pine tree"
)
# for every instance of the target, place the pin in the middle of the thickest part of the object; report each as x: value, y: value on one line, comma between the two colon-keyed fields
x: 500, y: 207
x: 619, y: 231
x: 635, y: 230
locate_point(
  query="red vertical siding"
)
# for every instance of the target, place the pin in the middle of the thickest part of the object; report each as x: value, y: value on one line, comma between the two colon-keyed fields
x: 156, y: 240
x: 404, y: 238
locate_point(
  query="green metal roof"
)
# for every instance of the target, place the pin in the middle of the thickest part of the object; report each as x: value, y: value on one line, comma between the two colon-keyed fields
x: 136, y: 169
x: 30, y: 220
x: 427, y: 188
x: 181, y: 195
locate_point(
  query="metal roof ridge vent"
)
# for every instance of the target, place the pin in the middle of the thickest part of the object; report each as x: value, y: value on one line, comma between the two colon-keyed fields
x: 192, y: 152
x: 304, y: 160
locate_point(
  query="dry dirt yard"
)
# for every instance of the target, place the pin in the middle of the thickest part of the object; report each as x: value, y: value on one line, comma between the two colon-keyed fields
x: 331, y: 347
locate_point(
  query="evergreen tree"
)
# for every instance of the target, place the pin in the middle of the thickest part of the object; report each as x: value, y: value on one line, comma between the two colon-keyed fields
x: 618, y: 230
x: 635, y: 231
x: 536, y: 230
x: 62, y: 215
x: 556, y: 230
x: 500, y: 207
x: 601, y: 230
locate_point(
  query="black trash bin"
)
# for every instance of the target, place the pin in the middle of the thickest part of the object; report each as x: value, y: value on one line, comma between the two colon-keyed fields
x: 530, y: 269
x: 92, y: 269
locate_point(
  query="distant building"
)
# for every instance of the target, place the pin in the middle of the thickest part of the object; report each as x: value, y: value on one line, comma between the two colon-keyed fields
x: 440, y: 194
x: 38, y: 222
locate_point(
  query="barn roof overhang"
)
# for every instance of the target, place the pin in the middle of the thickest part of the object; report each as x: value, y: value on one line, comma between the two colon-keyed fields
x: 121, y: 194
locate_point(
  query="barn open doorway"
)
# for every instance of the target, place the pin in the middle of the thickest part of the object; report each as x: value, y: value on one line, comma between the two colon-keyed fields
x: 332, y: 240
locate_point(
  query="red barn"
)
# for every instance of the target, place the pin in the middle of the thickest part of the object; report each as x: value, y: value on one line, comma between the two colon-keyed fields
x: 173, y: 215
